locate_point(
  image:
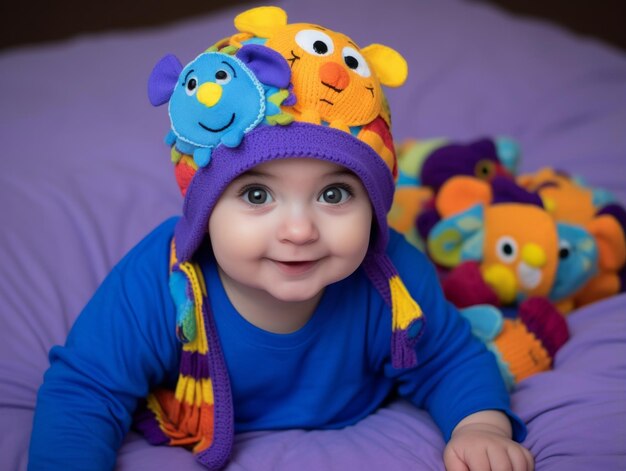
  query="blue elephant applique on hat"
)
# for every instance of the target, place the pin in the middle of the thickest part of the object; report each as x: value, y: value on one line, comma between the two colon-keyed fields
x: 217, y: 98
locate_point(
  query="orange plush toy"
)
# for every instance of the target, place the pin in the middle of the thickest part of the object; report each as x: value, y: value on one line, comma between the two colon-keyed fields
x: 506, y: 247
x: 426, y: 164
x: 569, y: 200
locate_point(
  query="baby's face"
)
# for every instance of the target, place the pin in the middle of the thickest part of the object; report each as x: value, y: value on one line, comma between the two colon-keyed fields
x: 290, y: 227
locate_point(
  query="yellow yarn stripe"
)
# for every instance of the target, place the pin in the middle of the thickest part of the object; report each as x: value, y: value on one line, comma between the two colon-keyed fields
x: 199, y: 344
x: 404, y: 309
x: 153, y: 404
x: 194, y: 391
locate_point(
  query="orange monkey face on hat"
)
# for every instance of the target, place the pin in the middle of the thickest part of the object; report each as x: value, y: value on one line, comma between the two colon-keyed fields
x: 334, y: 80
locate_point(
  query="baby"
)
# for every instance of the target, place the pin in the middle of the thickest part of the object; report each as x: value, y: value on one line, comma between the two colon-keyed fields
x: 280, y: 299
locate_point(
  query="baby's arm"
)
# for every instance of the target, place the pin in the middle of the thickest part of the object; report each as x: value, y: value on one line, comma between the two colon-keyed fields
x: 482, y: 441
x: 457, y: 379
x: 122, y: 343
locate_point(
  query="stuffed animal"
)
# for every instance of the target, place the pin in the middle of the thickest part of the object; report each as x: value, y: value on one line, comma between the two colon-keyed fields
x: 333, y: 75
x: 523, y: 346
x: 515, y: 246
x: 425, y: 165
x: 566, y: 197
x: 217, y: 98
x: 519, y: 249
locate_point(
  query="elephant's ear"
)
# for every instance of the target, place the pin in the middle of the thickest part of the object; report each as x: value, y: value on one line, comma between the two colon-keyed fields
x: 458, y: 238
x: 267, y: 65
x: 163, y: 79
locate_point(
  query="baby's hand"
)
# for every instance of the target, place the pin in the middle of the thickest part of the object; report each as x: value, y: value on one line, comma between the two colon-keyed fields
x: 481, y: 442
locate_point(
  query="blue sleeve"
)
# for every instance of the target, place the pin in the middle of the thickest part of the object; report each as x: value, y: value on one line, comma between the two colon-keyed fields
x: 456, y: 375
x: 122, y: 344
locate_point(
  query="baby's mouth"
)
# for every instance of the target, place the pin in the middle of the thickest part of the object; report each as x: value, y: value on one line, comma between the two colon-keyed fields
x: 295, y: 267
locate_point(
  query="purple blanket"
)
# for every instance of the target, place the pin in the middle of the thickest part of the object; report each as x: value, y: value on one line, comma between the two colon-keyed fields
x: 85, y: 175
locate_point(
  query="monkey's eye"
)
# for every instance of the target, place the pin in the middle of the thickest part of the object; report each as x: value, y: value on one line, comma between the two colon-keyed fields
x: 355, y: 61
x: 315, y: 42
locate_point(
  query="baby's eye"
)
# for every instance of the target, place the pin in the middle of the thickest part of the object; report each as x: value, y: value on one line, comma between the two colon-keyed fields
x: 334, y: 195
x: 222, y: 77
x: 355, y: 61
x: 506, y: 249
x: 257, y: 195
x: 191, y: 85
x: 315, y: 42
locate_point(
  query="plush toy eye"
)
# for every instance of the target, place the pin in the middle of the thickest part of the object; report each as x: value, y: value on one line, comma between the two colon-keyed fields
x: 355, y: 61
x: 222, y: 77
x: 565, y: 249
x: 315, y: 42
x: 506, y: 249
x: 191, y: 85
x: 484, y: 169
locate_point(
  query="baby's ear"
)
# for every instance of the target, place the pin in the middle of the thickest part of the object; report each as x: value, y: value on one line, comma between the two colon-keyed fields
x: 267, y: 65
x: 388, y: 64
x: 163, y: 79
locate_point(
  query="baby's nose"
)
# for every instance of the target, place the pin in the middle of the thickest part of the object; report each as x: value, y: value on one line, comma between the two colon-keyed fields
x: 209, y: 94
x: 298, y: 227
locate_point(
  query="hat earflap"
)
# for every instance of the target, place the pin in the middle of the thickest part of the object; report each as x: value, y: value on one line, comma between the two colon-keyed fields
x: 199, y: 413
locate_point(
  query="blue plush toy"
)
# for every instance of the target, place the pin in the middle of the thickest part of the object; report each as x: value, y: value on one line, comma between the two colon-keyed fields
x: 217, y: 98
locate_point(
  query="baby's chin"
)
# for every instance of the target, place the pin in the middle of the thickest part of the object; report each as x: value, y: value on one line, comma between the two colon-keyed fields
x: 296, y: 295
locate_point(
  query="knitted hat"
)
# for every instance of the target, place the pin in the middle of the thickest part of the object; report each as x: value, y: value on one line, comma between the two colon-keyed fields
x: 340, y: 116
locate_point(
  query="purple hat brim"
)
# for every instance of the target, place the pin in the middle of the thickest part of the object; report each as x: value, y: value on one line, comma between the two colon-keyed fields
x: 267, y: 143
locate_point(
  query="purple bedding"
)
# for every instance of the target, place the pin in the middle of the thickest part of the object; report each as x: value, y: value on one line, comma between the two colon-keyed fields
x: 85, y: 175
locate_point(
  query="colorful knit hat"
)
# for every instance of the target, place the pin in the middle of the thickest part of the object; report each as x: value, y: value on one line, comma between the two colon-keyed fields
x: 340, y: 116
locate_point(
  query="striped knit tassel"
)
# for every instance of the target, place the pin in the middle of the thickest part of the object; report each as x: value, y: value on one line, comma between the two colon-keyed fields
x: 407, y: 318
x: 407, y: 325
x: 188, y: 416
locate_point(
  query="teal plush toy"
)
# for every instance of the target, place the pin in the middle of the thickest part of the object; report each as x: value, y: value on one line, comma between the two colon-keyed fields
x: 523, y: 346
x: 217, y: 98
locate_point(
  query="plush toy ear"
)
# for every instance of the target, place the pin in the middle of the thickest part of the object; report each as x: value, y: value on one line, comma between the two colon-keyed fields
x: 261, y: 21
x: 460, y: 193
x: 611, y: 240
x: 508, y: 152
x: 268, y: 65
x: 163, y: 79
x: 486, y: 321
x: 390, y: 67
x: 458, y: 238
x: 578, y: 261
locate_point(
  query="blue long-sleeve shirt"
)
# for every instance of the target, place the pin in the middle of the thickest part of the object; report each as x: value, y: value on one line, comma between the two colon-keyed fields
x: 331, y: 373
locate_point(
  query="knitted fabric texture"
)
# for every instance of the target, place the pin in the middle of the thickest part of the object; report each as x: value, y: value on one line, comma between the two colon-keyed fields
x: 340, y: 115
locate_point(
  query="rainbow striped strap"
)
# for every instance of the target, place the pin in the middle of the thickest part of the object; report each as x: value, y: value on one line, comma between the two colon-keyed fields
x: 198, y: 414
